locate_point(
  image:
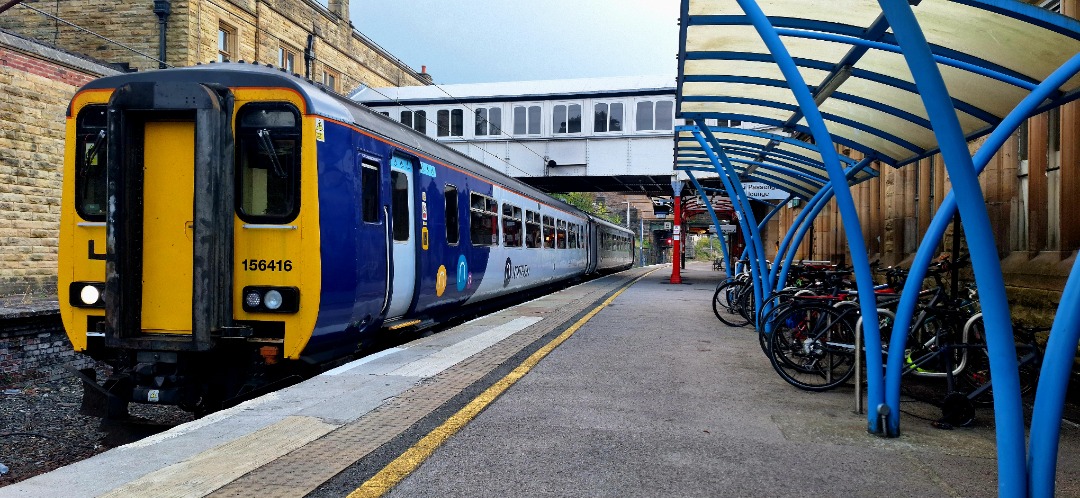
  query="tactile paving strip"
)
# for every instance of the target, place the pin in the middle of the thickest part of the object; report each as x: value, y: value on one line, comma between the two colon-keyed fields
x: 302, y: 470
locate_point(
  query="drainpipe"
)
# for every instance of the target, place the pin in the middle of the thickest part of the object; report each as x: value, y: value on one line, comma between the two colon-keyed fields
x: 309, y: 56
x: 162, y: 8
x: 9, y: 5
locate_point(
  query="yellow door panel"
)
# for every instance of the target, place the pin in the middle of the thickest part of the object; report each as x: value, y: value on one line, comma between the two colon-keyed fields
x: 169, y: 190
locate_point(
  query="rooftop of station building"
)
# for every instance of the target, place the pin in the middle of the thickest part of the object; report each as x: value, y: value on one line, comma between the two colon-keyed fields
x: 516, y: 90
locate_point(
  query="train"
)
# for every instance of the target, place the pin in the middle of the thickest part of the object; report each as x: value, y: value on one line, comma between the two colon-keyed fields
x: 225, y: 224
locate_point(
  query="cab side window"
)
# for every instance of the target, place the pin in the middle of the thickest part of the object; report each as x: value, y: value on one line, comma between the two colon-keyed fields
x: 91, y: 144
x: 268, y: 162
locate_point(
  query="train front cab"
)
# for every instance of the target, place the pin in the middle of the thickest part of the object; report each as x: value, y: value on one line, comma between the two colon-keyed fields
x: 176, y: 265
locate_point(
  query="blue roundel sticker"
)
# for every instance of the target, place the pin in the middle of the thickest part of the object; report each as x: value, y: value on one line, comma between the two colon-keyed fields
x: 462, y: 273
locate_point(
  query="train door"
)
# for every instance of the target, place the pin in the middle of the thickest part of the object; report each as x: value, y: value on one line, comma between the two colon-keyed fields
x: 402, y: 208
x: 168, y: 226
x: 169, y: 217
x: 372, y: 243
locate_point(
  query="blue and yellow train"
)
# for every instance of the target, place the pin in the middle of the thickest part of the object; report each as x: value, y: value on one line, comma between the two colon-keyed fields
x: 224, y: 222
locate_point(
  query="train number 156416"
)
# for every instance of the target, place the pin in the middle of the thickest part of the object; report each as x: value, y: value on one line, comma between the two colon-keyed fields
x: 267, y: 265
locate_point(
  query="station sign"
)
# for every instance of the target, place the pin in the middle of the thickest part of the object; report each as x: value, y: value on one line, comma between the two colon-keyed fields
x: 727, y: 228
x: 761, y: 191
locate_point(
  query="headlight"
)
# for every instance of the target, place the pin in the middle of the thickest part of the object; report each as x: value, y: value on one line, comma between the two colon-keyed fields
x: 273, y: 300
x: 89, y: 294
x: 252, y: 299
x: 266, y: 299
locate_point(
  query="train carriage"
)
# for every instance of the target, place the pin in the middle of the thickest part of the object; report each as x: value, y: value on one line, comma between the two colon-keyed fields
x: 223, y: 222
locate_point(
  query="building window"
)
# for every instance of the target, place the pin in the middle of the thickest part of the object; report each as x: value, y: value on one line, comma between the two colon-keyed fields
x: 488, y: 121
x: 450, y: 122
x: 527, y: 120
x: 226, y: 42
x: 416, y: 120
x: 607, y: 117
x: 662, y: 119
x: 287, y: 59
x: 566, y: 118
x: 330, y: 79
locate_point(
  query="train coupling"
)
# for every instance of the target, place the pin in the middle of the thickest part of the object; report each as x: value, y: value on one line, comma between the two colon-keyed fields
x: 102, y: 401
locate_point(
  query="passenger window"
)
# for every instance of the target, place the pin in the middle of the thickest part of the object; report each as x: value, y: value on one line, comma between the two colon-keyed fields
x: 549, y: 232
x: 399, y: 184
x: 561, y: 243
x: 91, y: 144
x: 369, y: 191
x: 268, y: 149
x: 533, y: 237
x: 450, y: 196
x: 483, y: 220
x: 511, y: 226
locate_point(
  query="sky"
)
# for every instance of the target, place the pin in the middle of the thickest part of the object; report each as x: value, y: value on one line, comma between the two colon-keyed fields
x: 479, y: 41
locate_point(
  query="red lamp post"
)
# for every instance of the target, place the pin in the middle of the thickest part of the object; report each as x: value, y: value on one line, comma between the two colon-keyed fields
x: 676, y: 231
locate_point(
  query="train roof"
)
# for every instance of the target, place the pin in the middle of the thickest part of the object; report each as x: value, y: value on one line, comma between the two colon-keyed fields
x: 322, y: 102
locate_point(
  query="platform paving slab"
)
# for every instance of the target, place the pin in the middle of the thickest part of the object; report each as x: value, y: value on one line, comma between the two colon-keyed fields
x: 654, y: 397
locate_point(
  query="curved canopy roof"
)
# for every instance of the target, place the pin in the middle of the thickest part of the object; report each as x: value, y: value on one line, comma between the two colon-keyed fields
x: 991, y: 54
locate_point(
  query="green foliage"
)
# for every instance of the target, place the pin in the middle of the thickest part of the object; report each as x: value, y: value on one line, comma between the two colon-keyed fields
x: 704, y: 250
x: 586, y: 201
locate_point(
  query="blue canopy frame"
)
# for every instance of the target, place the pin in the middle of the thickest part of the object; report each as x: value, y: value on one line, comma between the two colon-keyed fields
x: 851, y: 75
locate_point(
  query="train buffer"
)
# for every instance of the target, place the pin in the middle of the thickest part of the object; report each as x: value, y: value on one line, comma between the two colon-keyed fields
x: 625, y: 385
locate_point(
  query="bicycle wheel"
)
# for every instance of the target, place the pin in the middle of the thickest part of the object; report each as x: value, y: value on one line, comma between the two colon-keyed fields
x: 925, y: 353
x: 812, y: 347
x: 976, y: 373
x: 725, y: 303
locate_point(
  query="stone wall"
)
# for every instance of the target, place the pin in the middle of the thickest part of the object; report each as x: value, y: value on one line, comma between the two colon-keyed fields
x: 36, y: 84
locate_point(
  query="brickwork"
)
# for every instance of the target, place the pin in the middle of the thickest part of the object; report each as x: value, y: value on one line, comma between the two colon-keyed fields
x: 36, y: 348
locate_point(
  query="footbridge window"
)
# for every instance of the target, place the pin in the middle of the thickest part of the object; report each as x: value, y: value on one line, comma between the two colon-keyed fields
x: 488, y: 121
x: 607, y: 117
x: 655, y: 116
x: 566, y: 118
x: 527, y: 120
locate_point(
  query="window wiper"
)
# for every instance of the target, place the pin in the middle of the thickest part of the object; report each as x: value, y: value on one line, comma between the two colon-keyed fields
x: 92, y: 153
x: 267, y: 147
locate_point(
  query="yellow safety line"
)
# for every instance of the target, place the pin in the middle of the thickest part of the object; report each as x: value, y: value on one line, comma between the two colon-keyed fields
x: 413, y: 457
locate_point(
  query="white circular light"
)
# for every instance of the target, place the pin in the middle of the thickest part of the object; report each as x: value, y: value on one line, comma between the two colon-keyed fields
x: 252, y: 299
x: 273, y: 300
x: 89, y: 294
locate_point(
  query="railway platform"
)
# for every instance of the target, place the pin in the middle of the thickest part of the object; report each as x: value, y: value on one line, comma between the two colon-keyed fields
x: 626, y: 385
